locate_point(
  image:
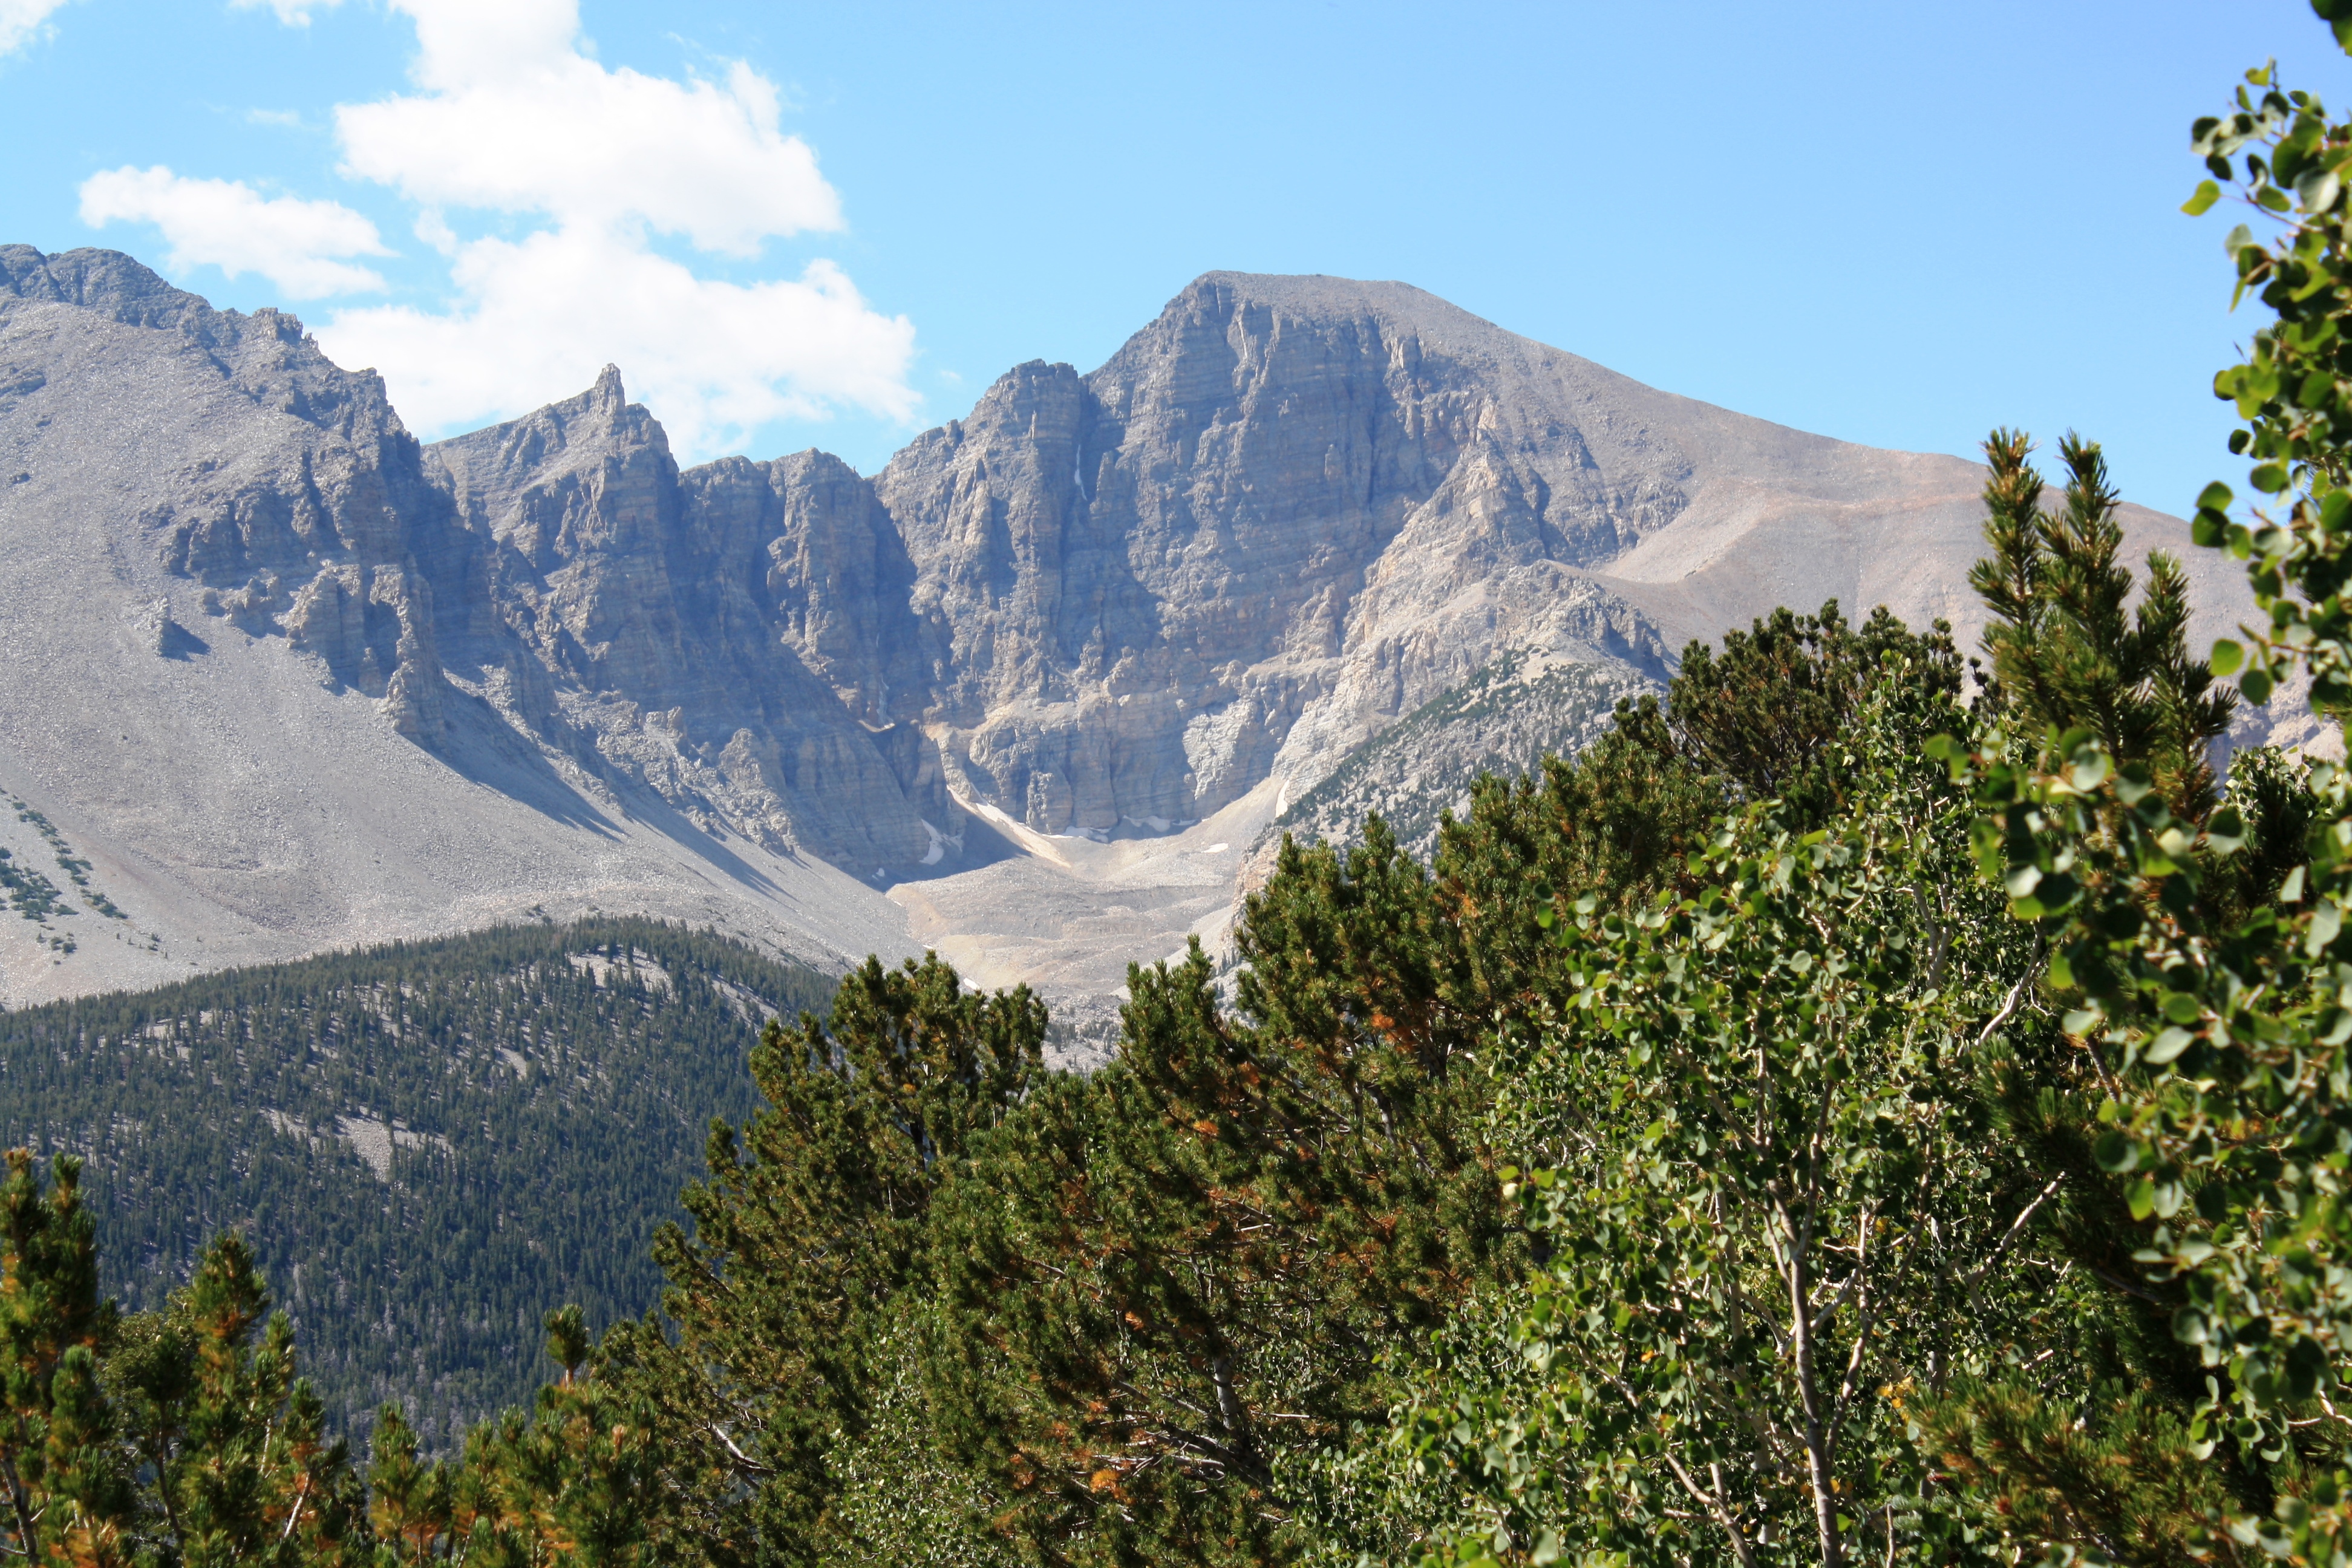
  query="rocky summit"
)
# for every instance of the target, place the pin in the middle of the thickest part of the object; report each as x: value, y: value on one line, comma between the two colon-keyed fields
x: 275, y: 677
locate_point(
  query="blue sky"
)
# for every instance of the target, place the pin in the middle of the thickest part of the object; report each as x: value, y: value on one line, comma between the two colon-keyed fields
x: 1894, y: 225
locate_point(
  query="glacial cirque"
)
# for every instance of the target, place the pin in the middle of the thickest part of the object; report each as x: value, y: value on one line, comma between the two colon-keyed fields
x: 288, y: 680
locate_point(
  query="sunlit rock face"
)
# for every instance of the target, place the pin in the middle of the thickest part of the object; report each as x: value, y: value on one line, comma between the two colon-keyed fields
x: 736, y: 636
x: 1288, y: 508
x: 306, y: 673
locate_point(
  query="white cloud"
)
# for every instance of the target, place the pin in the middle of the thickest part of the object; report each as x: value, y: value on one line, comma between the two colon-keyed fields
x: 294, y: 243
x: 712, y: 359
x: 520, y: 122
x: 510, y: 117
x: 293, y: 13
x: 20, y: 21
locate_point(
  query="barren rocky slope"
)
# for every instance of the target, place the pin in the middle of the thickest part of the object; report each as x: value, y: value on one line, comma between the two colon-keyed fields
x: 1527, y: 705
x: 288, y: 679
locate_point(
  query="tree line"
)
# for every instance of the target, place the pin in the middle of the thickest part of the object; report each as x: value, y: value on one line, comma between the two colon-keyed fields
x: 1875, y: 1104
x: 529, y: 1101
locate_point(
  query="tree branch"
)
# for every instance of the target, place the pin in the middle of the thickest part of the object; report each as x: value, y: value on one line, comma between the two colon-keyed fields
x: 1709, y: 1501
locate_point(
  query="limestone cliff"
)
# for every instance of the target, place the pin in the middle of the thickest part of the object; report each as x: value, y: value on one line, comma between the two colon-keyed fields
x: 299, y: 680
x: 737, y: 638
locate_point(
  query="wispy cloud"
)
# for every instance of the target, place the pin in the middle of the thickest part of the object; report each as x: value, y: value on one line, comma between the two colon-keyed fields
x: 298, y: 244
x: 21, y: 21
x: 510, y: 117
x: 293, y: 13
x: 579, y: 209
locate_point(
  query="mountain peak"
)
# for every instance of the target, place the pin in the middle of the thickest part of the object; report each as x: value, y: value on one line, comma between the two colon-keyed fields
x: 1288, y: 513
x: 1326, y: 297
x: 608, y: 395
x: 105, y: 281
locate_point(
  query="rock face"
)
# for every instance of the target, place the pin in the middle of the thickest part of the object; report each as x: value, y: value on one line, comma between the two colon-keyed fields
x: 1527, y: 705
x: 1293, y: 510
x: 542, y: 662
x: 737, y: 638
x: 275, y: 682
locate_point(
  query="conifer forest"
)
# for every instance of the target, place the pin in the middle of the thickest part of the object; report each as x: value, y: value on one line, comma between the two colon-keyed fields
x: 1884, y: 1101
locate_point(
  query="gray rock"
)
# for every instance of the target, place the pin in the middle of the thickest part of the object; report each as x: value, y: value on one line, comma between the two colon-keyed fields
x: 735, y: 639
x: 1046, y: 676
x: 324, y: 754
x: 1527, y: 705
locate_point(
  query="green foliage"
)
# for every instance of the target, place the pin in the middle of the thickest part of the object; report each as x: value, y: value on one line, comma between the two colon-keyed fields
x: 537, y: 1097
x: 1158, y: 1281
x: 2112, y: 1479
x: 1770, y: 715
x: 2067, y: 653
x: 232, y: 1444
x: 2215, y: 996
x: 809, y: 1250
x: 1744, y: 1107
x: 67, y: 1498
x: 176, y: 1437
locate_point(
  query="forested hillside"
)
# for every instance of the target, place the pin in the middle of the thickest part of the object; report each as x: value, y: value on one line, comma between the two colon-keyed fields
x: 428, y: 1145
x: 1858, y: 1110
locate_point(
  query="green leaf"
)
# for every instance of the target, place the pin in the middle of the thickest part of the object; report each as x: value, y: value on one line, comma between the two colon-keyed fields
x: 2326, y: 921
x: 2168, y: 1046
x: 2141, y: 1195
x: 2270, y: 478
x: 2256, y: 684
x: 2203, y: 198
x: 2334, y: 509
x: 2081, y: 1022
x: 2215, y: 497
x: 2227, y: 656
x: 2021, y: 880
x: 2115, y: 1152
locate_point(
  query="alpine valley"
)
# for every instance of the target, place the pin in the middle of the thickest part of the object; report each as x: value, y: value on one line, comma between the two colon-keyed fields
x: 277, y: 678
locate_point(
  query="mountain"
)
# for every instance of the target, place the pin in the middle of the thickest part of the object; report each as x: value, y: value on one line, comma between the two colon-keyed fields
x: 1527, y: 705
x: 429, y: 1145
x: 284, y: 679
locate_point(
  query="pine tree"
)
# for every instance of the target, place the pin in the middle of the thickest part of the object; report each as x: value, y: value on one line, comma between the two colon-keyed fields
x: 1158, y: 1283
x: 68, y: 1493
x: 809, y: 1233
x: 2068, y: 649
x: 243, y: 1470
